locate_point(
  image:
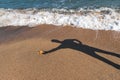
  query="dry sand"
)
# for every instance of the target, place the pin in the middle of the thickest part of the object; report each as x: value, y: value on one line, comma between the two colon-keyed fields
x: 19, y: 59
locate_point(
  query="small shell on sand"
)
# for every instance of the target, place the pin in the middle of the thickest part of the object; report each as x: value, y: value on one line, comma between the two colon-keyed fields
x: 40, y: 52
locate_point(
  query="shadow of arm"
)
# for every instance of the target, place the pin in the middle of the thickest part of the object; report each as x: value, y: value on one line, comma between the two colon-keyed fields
x: 52, y: 50
x: 55, y: 40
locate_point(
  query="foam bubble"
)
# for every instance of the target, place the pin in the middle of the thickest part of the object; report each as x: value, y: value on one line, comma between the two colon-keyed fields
x: 99, y: 19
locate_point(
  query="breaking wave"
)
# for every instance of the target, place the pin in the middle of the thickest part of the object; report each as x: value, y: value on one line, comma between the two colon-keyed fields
x: 96, y: 19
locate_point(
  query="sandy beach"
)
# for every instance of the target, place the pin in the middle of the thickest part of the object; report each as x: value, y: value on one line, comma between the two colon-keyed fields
x: 71, y: 53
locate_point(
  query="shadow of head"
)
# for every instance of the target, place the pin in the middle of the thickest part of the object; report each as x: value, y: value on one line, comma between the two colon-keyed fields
x: 69, y: 41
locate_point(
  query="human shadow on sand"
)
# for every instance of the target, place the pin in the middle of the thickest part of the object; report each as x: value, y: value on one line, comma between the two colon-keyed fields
x: 77, y: 45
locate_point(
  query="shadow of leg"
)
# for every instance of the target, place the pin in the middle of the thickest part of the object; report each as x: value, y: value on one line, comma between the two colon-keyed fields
x: 117, y: 66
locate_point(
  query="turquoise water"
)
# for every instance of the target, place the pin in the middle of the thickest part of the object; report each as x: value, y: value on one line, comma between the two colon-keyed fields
x: 60, y: 4
x: 90, y: 14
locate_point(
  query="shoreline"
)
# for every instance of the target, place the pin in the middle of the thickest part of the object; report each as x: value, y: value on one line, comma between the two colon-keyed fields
x: 24, y: 32
x: 101, y: 19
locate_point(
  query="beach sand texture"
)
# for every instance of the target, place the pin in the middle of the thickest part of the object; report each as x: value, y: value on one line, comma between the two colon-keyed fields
x: 83, y: 54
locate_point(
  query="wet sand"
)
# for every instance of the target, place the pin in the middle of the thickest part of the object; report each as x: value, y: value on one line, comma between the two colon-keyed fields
x: 83, y: 54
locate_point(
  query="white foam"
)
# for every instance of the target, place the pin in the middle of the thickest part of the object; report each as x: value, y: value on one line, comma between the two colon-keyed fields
x: 93, y: 19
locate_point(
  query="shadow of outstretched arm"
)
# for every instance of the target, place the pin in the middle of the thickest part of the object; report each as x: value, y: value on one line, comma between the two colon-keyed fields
x: 52, y: 50
x: 55, y: 40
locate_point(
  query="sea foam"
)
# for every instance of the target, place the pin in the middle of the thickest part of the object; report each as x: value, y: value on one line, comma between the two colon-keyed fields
x: 97, y: 19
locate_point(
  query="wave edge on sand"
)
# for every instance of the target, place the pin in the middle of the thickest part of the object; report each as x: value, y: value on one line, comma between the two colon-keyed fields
x: 98, y: 19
